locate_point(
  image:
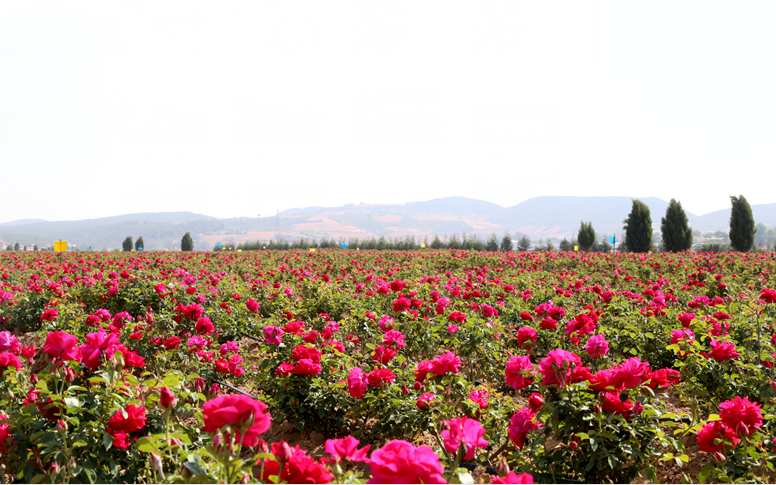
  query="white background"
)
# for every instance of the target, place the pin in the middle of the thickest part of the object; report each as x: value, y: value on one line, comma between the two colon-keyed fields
x: 244, y: 108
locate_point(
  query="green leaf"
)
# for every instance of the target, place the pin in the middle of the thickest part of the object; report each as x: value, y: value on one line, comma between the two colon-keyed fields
x: 712, y: 417
x: 704, y: 473
x: 183, y: 437
x: 107, y: 441
x: 194, y: 468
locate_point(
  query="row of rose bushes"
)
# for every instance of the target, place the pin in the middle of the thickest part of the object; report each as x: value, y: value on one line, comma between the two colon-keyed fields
x: 553, y: 365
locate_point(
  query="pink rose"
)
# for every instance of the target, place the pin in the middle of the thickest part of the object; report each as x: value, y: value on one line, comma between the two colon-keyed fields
x: 357, y: 383
x: 401, y: 462
x: 466, y: 431
x: 597, y: 346
x: 347, y: 449
x: 237, y: 410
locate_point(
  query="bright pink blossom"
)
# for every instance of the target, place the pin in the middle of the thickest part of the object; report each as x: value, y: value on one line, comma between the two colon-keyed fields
x: 597, y: 346
x: 346, y: 449
x: 520, y: 372
x: 447, y: 362
x: 401, y: 462
x: 466, y: 431
x: 558, y: 367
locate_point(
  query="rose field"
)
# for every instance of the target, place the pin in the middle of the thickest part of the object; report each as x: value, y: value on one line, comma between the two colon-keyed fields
x: 387, y: 367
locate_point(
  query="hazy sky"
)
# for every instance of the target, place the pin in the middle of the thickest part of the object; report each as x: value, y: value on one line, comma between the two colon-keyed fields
x: 243, y: 108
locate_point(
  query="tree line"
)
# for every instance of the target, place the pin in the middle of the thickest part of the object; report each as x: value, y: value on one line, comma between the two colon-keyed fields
x: 187, y: 243
x: 676, y: 233
x: 638, y: 238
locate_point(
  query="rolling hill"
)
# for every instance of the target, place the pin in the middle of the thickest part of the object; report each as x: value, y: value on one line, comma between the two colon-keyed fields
x: 538, y: 217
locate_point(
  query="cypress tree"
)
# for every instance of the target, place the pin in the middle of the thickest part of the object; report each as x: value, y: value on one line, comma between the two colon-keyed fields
x: 524, y: 244
x: 139, y: 244
x: 187, y: 243
x: 741, y: 224
x: 492, y: 244
x: 677, y: 235
x: 506, y: 242
x: 586, y: 236
x: 638, y: 228
x: 127, y: 244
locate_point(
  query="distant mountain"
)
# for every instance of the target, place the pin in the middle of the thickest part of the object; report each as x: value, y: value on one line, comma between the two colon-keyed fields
x: 21, y: 221
x: 539, y: 217
x: 160, y: 230
x: 713, y: 221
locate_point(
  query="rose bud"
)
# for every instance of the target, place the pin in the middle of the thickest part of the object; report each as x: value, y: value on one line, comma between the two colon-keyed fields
x: 502, y: 468
x: 535, y: 401
x: 263, y: 447
x: 418, y: 386
x: 199, y: 384
x: 405, y: 390
x: 284, y: 452
x: 156, y: 462
x: 215, y: 390
x: 167, y: 398
x: 573, y: 445
x: 34, y: 378
x: 638, y: 408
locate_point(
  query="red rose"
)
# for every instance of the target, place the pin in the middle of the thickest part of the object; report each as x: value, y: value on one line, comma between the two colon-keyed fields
x: 136, y: 419
x: 240, y: 411
x: 381, y: 376
x: 740, y: 410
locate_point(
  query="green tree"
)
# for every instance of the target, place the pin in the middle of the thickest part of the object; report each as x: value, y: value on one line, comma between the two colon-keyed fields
x: 638, y: 228
x: 506, y: 242
x: 604, y: 246
x: 741, y: 224
x: 16, y: 247
x: 586, y: 236
x: 437, y: 243
x: 127, y: 244
x: 677, y: 235
x: 453, y: 243
x: 187, y: 243
x: 760, y: 235
x: 139, y: 244
x: 492, y: 244
x: 524, y: 244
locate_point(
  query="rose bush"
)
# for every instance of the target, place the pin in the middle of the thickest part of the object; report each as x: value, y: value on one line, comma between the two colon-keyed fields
x: 177, y: 364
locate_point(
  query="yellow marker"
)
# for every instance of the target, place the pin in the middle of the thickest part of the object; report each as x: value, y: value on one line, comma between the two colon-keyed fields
x: 312, y: 250
x: 423, y: 245
x: 356, y: 249
x: 239, y: 250
x: 60, y: 246
x: 576, y: 248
